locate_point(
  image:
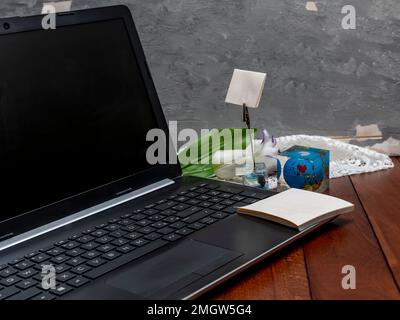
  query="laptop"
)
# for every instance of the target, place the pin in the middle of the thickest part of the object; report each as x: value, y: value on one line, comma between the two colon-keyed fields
x: 83, y: 215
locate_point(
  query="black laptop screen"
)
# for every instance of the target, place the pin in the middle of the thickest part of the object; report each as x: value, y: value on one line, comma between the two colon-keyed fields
x: 74, y: 113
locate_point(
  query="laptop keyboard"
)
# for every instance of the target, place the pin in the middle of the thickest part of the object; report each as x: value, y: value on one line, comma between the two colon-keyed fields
x: 100, y: 249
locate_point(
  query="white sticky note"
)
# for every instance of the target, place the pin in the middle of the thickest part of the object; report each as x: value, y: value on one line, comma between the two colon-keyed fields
x: 60, y: 6
x: 311, y: 6
x: 246, y: 87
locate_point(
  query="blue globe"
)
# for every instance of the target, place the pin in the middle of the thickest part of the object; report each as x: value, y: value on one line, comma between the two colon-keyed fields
x: 303, y: 170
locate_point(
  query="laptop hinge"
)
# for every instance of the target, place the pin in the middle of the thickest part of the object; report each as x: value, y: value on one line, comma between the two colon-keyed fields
x: 84, y: 213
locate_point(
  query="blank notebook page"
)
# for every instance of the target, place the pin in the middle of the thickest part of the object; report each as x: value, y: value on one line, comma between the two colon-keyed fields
x: 299, y: 206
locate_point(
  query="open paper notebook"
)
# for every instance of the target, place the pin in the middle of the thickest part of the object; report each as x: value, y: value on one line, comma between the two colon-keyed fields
x: 297, y: 208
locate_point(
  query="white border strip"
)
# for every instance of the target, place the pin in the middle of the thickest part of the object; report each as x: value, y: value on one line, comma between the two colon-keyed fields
x: 84, y: 214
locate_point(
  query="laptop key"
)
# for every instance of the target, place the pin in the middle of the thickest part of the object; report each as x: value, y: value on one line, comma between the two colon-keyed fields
x: 29, y: 255
x: 152, y: 236
x: 120, y: 242
x: 71, y: 245
x: 140, y: 242
x: 76, y: 261
x: 147, y: 230
x: 180, y: 207
x: 150, y: 212
x: 126, y: 248
x: 90, y: 246
x: 25, y: 284
x: 105, y: 248
x: 196, y: 226
x: 62, y: 268
x: 118, y: 234
x: 124, y: 222
x: 205, y: 204
x: 253, y: 194
x: 130, y: 228
x: 227, y: 202
x: 192, y: 195
x: 188, y: 212
x: 8, y: 292
x: 178, y: 225
x: 22, y: 265
x: 98, y: 233
x: 143, y: 222
x: 166, y: 205
x: 61, y: 289
x: 78, y: 282
x: 55, y: 251
x: 215, y: 199
x: 182, y: 199
x: 156, y: 217
x: 111, y: 255
x: 199, y: 215
x: 184, y: 231
x: 63, y: 277
x: 74, y: 237
x: 230, y: 209
x: 7, y: 272
x: 237, y: 198
x: 96, y: 262
x: 104, y: 240
x: 101, y: 226
x: 172, y: 237
x: 44, y: 296
x: 81, y: 269
x: 138, y: 216
x: 208, y: 220
x: 165, y: 230
x: 168, y: 212
x: 10, y: 281
x: 133, y: 235
x: 250, y: 200
x: 229, y: 190
x: 171, y: 219
x: 74, y: 252
x: 15, y: 261
x: 59, y: 259
x: 89, y: 230
x: 193, y: 202
x: 113, y: 227
x: 27, y: 273
x: 217, y: 207
x: 219, y: 215
x: 91, y: 254
x: 124, y: 259
x: 159, y: 224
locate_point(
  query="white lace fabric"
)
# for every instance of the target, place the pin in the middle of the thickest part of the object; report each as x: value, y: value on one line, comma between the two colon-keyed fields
x: 345, y: 159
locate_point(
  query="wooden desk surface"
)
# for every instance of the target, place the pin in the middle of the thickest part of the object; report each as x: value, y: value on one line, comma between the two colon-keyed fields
x: 368, y: 239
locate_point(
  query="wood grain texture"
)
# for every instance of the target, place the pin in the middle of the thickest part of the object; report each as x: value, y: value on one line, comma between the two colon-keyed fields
x: 379, y: 193
x: 349, y: 240
x: 283, y: 278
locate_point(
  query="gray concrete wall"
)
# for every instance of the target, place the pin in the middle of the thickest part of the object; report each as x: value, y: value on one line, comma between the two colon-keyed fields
x: 321, y: 79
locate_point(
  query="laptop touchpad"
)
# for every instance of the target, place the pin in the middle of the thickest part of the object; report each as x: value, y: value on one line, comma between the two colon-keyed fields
x: 173, y: 269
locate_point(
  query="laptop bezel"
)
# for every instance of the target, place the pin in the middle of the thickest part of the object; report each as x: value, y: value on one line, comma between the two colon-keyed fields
x: 63, y: 208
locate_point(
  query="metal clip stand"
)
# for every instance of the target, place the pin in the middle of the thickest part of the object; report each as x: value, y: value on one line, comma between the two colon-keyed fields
x: 246, y: 119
